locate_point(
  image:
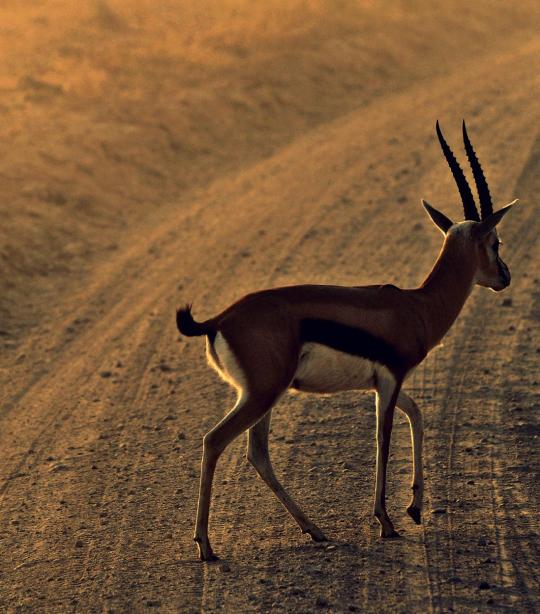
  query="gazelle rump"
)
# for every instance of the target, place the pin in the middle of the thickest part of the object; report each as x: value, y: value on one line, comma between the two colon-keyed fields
x: 325, y: 339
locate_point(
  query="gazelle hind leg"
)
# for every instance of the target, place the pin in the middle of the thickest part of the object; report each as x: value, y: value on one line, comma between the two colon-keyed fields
x: 259, y: 457
x: 387, y: 393
x: 414, y: 415
x: 248, y: 410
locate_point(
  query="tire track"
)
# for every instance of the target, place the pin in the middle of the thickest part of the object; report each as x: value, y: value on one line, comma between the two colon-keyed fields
x: 514, y: 529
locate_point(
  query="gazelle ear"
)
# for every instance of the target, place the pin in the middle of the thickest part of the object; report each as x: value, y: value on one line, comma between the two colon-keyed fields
x: 489, y: 223
x: 439, y: 219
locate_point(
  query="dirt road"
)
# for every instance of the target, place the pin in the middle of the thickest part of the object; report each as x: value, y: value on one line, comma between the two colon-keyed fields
x: 104, y: 407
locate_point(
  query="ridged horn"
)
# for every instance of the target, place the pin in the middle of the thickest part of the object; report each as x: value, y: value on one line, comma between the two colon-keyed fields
x: 465, y: 192
x: 486, y: 204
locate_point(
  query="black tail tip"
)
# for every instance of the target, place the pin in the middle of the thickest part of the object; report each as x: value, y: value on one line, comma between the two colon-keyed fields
x: 185, y: 310
x: 184, y: 319
x: 186, y: 324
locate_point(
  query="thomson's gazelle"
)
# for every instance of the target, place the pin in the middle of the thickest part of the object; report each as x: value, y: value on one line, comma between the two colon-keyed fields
x: 329, y: 338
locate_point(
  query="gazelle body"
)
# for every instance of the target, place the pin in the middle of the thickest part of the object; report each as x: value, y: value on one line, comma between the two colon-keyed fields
x: 325, y: 339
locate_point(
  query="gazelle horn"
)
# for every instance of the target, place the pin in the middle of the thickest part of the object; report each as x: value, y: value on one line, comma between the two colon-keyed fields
x: 486, y: 205
x: 465, y: 192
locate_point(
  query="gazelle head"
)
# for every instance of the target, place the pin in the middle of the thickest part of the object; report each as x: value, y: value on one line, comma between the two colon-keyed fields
x: 477, y: 234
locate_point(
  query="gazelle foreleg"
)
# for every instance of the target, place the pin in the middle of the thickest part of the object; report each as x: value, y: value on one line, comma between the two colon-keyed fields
x: 248, y: 410
x: 259, y: 457
x: 387, y: 390
x: 414, y: 415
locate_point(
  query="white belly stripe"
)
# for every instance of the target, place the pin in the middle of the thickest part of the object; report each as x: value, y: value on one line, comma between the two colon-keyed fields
x: 320, y: 369
x: 323, y: 369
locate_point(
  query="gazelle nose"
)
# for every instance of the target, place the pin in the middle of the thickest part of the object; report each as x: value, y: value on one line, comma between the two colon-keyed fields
x: 504, y: 274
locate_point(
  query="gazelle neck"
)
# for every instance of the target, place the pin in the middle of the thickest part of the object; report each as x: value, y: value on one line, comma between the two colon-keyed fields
x: 446, y: 289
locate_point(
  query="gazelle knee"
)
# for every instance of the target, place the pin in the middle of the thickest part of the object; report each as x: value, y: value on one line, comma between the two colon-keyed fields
x: 257, y: 458
x: 260, y: 467
x: 414, y: 412
x: 416, y: 415
x: 261, y: 463
x: 212, y: 445
x: 253, y: 457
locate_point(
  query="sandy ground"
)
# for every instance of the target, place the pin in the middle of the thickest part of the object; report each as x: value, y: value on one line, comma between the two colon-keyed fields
x: 156, y: 155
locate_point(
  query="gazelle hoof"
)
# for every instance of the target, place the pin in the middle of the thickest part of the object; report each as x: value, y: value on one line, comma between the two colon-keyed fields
x: 205, y: 550
x: 208, y: 557
x: 316, y: 534
x: 415, y: 513
x: 392, y: 534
